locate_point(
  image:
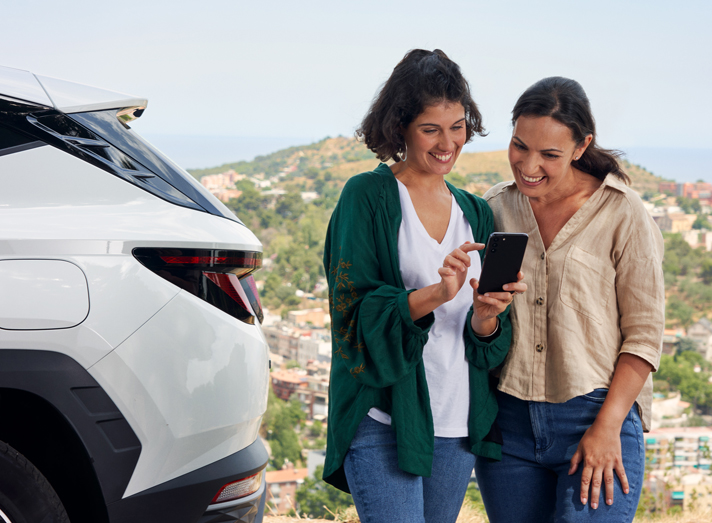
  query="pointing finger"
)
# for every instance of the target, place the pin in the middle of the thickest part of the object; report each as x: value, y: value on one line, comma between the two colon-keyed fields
x: 469, y: 247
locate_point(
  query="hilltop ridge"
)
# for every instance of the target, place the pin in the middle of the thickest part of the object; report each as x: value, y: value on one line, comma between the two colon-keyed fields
x: 344, y: 157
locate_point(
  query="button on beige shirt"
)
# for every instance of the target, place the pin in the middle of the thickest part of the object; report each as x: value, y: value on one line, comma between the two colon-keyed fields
x: 596, y: 292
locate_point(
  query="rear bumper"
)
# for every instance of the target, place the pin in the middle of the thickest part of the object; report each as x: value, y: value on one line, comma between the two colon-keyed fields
x: 186, y: 499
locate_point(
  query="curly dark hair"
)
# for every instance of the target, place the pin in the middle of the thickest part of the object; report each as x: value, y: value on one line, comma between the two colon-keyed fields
x: 422, y: 78
x: 565, y: 101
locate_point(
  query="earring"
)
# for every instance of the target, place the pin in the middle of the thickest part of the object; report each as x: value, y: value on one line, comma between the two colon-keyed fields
x: 576, y: 158
x: 403, y: 155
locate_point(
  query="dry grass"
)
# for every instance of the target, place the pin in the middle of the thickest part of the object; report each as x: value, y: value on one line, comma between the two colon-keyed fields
x: 469, y: 514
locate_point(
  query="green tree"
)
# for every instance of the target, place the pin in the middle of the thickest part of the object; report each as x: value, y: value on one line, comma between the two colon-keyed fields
x: 671, y: 263
x: 702, y: 222
x: 679, y: 372
x: 317, y: 499
x: 706, y: 271
x: 279, y: 427
x: 685, y: 344
x: 677, y: 309
x: 290, y: 206
x: 688, y: 205
x: 316, y: 429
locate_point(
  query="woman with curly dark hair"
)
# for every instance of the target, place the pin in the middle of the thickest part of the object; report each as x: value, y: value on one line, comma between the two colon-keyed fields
x: 410, y: 403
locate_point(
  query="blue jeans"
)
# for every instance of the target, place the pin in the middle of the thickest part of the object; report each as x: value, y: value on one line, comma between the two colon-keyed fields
x: 384, y: 493
x: 531, y: 483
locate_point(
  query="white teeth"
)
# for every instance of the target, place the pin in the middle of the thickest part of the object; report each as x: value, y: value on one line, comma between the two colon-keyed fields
x: 532, y: 180
x: 442, y: 157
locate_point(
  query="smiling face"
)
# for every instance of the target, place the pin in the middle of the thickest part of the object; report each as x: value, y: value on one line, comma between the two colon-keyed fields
x: 435, y: 138
x: 540, y: 155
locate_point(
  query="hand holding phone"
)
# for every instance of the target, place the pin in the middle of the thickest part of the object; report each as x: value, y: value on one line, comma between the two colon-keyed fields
x: 503, y: 260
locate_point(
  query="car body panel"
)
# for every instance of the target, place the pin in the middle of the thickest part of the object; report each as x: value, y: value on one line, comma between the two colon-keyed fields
x: 188, y: 398
x: 42, y: 294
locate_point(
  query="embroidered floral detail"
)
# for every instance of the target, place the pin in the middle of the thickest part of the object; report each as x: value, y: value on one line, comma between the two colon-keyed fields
x: 342, y: 294
x: 346, y: 333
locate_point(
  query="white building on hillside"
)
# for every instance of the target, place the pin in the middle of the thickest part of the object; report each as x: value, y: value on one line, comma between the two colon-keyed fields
x: 701, y: 332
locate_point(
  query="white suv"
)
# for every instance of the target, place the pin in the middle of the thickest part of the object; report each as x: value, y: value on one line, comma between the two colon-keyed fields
x: 133, y: 369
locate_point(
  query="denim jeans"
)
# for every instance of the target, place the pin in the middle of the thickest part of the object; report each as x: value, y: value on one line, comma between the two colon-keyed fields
x: 384, y: 493
x: 531, y: 483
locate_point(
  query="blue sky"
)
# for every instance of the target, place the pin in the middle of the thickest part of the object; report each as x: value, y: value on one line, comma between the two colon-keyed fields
x: 284, y: 71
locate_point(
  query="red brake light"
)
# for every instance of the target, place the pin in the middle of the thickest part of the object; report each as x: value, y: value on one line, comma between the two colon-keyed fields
x: 239, y: 489
x: 220, y: 277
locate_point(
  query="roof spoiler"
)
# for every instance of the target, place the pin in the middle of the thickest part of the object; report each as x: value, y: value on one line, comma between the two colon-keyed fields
x: 67, y: 97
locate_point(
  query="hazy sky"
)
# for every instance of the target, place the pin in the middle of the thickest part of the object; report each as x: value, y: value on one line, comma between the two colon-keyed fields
x: 302, y: 70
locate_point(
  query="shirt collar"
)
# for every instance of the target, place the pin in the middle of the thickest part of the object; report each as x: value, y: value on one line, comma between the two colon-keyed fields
x: 611, y: 180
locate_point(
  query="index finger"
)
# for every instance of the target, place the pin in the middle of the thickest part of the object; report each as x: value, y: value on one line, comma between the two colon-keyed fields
x: 469, y: 246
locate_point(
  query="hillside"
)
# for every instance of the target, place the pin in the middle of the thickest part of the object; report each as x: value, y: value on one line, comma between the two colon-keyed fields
x: 292, y: 231
x: 344, y: 157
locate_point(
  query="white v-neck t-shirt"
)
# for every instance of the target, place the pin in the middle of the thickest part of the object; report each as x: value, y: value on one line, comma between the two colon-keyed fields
x: 446, y: 368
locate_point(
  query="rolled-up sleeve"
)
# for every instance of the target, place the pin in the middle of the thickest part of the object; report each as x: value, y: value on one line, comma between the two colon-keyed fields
x: 640, y: 290
x: 373, y: 334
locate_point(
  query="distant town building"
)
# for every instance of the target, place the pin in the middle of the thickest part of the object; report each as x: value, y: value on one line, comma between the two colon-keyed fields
x: 701, y: 191
x: 314, y: 459
x: 225, y: 195
x: 274, y: 192
x: 668, y: 410
x: 680, y: 462
x: 668, y: 188
x: 287, y: 382
x: 309, y: 196
x: 300, y: 344
x: 315, y: 397
x: 698, y: 238
x: 316, y: 347
x: 283, y: 339
x: 671, y: 337
x: 676, y: 222
x: 222, y: 185
x: 316, y: 317
x: 685, y: 448
x: 701, y: 332
x: 259, y: 183
x: 282, y: 486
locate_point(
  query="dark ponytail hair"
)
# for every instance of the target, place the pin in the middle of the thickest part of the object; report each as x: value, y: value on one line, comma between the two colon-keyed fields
x: 422, y: 78
x: 565, y: 101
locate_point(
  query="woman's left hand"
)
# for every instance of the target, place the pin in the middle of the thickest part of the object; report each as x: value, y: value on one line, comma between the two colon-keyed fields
x: 600, y: 452
x: 490, y: 304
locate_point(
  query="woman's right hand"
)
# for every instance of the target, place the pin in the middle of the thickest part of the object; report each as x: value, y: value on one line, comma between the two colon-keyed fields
x: 453, y: 273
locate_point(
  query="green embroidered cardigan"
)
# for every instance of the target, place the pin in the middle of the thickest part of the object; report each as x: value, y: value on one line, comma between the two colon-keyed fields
x: 377, y: 347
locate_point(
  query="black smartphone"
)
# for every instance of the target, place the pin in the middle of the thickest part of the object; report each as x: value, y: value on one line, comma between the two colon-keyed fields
x: 503, y: 260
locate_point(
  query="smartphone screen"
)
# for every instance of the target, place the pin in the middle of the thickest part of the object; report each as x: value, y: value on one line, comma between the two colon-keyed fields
x: 503, y: 260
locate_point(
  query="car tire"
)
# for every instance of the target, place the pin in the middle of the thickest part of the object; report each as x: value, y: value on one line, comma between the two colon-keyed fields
x: 25, y: 494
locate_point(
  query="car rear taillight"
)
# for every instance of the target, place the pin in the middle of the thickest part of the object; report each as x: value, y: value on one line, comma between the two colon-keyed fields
x: 220, y: 277
x: 239, y: 489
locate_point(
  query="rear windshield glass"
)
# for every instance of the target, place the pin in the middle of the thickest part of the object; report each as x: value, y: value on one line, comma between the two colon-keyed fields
x: 14, y: 142
x: 118, y: 134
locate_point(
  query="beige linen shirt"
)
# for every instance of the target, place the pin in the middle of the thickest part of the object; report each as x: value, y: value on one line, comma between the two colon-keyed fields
x: 596, y: 292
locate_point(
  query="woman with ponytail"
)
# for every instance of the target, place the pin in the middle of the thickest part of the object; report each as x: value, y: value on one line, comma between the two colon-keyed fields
x: 575, y: 391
